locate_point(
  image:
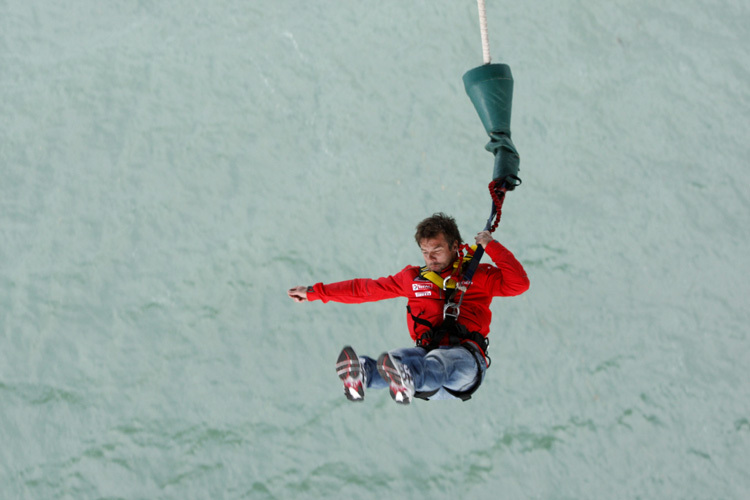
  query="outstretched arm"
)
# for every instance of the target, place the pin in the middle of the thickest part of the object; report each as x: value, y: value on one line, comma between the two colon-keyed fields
x: 356, y: 291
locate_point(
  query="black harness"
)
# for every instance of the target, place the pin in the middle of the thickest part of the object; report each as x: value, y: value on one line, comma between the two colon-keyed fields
x: 457, y: 335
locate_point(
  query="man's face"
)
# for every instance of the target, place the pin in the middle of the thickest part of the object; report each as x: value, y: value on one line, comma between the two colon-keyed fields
x: 438, y: 255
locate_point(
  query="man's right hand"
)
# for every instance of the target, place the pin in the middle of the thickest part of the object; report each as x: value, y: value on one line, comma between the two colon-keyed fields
x: 298, y: 293
x: 483, y: 238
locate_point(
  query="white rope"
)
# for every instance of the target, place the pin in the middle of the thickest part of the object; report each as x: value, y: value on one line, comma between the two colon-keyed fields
x: 483, y: 31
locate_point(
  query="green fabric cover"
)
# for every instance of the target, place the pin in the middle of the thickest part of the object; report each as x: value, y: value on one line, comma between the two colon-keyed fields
x: 490, y: 88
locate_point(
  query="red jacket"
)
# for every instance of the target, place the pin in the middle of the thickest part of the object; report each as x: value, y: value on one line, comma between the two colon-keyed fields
x: 426, y: 300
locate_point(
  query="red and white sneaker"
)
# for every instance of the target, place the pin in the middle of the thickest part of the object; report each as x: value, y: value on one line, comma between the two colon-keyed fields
x: 351, y: 372
x: 398, y: 377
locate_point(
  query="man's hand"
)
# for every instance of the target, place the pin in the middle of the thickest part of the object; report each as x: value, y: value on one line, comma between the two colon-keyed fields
x: 298, y: 293
x: 484, y: 238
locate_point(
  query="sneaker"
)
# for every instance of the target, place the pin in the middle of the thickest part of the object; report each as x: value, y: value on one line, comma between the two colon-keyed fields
x: 398, y: 377
x: 351, y: 372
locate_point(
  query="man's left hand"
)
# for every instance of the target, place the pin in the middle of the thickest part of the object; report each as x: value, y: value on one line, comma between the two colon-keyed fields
x: 484, y: 238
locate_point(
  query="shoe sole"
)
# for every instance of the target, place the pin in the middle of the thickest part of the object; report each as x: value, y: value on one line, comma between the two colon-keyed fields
x: 348, y: 368
x: 391, y: 374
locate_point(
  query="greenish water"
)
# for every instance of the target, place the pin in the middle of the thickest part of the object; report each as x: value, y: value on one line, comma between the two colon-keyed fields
x: 169, y: 169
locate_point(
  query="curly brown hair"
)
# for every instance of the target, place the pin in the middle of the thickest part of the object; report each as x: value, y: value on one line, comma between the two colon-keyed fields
x: 438, y: 224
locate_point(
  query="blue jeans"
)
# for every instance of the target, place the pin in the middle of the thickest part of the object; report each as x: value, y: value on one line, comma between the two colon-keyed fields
x: 447, y: 366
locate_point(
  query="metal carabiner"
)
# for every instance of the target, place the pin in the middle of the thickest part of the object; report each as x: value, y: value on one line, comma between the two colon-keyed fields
x: 449, y: 308
x: 445, y: 283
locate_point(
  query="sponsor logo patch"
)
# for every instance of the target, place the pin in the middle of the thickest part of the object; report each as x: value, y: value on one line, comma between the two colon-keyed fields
x: 422, y: 294
x: 415, y: 287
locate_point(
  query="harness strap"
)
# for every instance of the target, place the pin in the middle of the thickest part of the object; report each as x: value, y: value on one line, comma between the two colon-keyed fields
x: 451, y: 281
x: 437, y: 279
x: 459, y: 336
x: 418, y: 320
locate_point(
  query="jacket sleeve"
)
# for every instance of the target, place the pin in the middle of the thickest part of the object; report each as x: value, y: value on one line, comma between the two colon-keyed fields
x: 360, y: 290
x: 507, y: 277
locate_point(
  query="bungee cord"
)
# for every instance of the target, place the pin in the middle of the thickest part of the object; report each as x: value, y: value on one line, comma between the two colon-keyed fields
x: 483, y: 31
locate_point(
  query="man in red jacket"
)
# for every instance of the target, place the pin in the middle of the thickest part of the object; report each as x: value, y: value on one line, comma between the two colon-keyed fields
x: 448, y: 319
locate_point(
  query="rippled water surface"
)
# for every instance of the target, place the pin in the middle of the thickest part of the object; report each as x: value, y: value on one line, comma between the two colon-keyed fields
x: 168, y: 169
